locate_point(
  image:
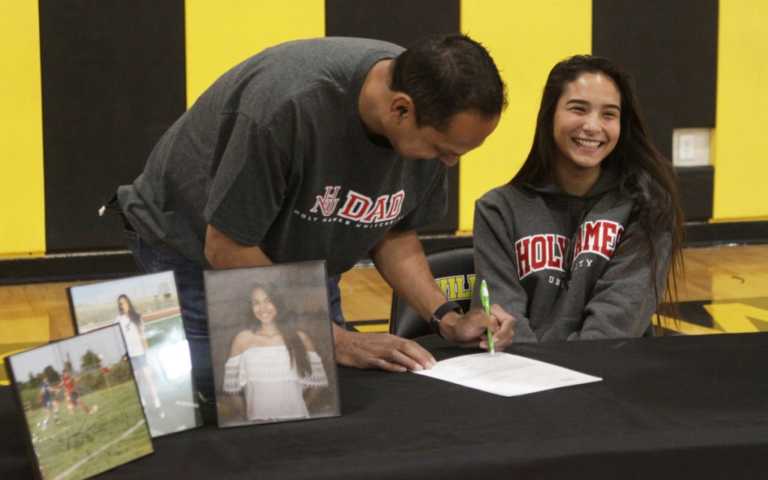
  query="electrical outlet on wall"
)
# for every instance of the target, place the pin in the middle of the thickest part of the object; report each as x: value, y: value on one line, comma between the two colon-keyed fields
x: 690, y: 147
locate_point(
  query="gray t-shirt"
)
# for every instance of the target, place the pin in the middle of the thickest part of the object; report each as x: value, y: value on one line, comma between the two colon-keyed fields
x: 275, y: 154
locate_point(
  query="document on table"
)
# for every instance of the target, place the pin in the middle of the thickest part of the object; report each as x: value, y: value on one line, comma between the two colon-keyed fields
x: 505, y: 374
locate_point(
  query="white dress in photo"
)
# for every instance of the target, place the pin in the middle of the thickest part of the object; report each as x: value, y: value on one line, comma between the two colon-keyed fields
x: 132, y: 335
x: 272, y: 387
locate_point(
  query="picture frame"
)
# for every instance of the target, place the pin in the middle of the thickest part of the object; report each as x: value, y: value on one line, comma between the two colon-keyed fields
x: 80, y: 404
x: 271, y: 344
x: 147, y: 309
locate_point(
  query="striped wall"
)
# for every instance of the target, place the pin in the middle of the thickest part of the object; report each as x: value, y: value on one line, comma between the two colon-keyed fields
x: 741, y: 140
x: 220, y: 34
x: 674, y: 73
x: 22, y: 200
x: 525, y: 43
x: 112, y: 73
x: 89, y: 86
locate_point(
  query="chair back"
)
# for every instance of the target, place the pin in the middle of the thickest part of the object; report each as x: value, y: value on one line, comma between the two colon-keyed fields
x: 454, y: 272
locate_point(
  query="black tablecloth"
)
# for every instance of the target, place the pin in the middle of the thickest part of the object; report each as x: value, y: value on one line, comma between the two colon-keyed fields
x: 673, y: 407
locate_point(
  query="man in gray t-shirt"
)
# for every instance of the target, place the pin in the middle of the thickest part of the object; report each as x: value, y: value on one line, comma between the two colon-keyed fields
x: 331, y: 149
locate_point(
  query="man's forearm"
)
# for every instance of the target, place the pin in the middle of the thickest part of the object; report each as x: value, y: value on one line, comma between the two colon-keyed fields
x: 223, y: 252
x: 400, y: 259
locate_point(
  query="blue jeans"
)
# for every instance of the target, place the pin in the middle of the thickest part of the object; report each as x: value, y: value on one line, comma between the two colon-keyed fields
x: 189, y: 281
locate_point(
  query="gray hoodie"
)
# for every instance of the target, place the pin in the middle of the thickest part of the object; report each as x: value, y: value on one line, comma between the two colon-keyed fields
x: 567, y: 267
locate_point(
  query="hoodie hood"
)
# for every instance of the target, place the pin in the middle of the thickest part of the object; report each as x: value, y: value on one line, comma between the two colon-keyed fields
x: 608, y: 180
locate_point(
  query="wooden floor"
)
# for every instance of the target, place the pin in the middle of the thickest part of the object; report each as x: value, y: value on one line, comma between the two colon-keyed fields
x: 725, y: 290
x: 728, y: 282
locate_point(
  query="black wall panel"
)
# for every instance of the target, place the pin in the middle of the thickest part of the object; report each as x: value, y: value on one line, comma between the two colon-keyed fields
x: 670, y: 48
x: 401, y: 22
x: 113, y: 81
x: 696, y: 186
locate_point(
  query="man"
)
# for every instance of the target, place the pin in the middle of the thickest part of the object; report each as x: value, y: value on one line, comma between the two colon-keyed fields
x: 331, y: 149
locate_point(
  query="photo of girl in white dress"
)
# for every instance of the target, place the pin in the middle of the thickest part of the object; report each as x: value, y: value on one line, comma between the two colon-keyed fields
x: 271, y: 365
x: 271, y: 344
x: 136, y: 340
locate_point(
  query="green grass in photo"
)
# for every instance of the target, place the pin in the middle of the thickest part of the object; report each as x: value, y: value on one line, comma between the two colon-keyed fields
x: 78, y: 445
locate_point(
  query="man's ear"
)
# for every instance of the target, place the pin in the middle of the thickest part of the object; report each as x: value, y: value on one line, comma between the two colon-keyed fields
x: 401, y: 106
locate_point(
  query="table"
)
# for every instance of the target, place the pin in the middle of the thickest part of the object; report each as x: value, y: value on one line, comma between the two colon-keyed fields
x: 671, y: 407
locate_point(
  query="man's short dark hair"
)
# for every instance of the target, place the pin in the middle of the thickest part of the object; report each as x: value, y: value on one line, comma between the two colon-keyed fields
x: 446, y: 75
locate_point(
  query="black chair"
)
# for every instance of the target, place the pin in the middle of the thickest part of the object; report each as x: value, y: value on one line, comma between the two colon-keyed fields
x: 454, y: 271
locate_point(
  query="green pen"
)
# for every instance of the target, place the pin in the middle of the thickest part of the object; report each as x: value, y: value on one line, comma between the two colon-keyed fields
x: 485, y: 298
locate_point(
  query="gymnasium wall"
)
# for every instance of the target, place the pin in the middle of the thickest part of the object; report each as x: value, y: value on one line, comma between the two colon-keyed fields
x: 741, y: 142
x: 525, y: 42
x: 89, y: 86
x: 22, y: 205
x: 671, y: 50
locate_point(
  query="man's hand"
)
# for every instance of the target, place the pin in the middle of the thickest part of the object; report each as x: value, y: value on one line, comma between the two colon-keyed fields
x: 468, y: 330
x: 380, y: 350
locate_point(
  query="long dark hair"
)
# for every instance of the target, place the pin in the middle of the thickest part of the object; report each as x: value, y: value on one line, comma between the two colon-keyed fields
x: 133, y: 315
x: 646, y: 176
x: 285, y: 321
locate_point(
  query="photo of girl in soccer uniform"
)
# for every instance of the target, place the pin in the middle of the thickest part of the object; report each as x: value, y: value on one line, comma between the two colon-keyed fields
x: 69, y: 384
x: 49, y: 403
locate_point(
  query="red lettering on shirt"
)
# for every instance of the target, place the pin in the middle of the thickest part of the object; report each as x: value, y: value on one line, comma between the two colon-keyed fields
x: 378, y: 212
x: 539, y: 248
x: 562, y: 244
x: 327, y: 203
x: 355, y: 206
x: 600, y: 237
x: 522, y: 252
x: 540, y: 252
x: 395, y: 205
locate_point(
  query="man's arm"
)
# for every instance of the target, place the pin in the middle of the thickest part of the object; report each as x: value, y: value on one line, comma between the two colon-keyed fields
x: 223, y: 252
x: 382, y: 350
x: 379, y: 350
x: 400, y: 259
x: 360, y: 350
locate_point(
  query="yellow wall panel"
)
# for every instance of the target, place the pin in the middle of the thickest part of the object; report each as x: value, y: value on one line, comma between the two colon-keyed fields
x: 526, y: 39
x: 741, y: 143
x: 221, y: 34
x: 22, y: 194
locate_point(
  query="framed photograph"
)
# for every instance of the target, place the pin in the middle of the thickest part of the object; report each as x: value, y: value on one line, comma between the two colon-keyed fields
x: 147, y: 310
x: 271, y: 344
x: 81, y: 405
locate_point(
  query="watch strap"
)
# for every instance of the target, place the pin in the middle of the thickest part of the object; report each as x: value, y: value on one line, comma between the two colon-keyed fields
x: 440, y: 312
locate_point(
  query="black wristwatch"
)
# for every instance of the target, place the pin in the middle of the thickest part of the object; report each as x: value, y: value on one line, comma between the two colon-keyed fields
x: 448, y: 306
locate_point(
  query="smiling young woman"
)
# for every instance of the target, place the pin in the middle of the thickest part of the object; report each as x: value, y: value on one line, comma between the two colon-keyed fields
x: 586, y: 128
x: 579, y: 243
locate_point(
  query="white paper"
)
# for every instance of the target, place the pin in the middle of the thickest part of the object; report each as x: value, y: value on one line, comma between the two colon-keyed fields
x: 505, y: 374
